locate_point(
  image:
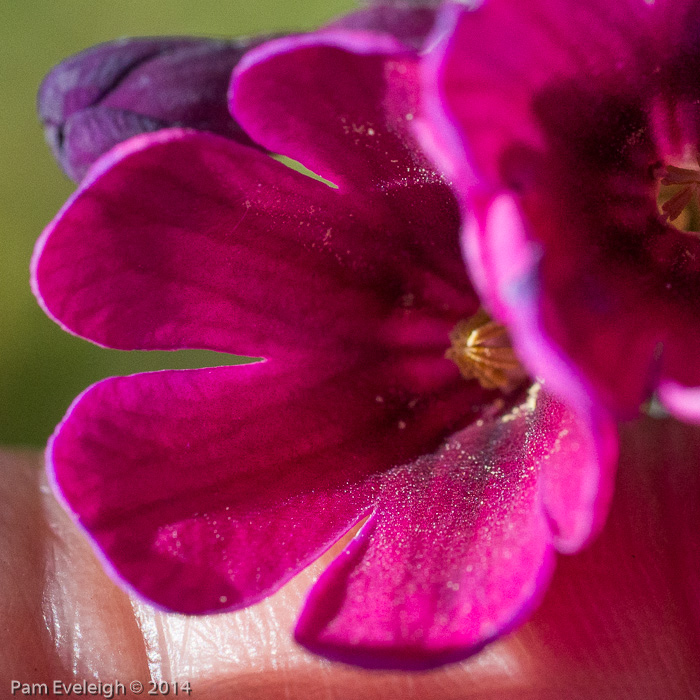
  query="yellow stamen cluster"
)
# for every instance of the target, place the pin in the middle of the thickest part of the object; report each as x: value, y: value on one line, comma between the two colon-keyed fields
x: 481, y: 349
x: 679, y: 195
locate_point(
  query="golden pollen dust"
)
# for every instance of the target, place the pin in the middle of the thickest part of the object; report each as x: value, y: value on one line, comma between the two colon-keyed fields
x: 679, y: 195
x: 481, y: 349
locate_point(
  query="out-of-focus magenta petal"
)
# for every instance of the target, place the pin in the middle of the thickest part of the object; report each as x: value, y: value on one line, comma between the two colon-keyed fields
x: 682, y: 401
x: 411, y: 24
x: 340, y: 102
x: 507, y: 265
x: 568, y: 110
x: 206, y: 489
x: 108, y: 93
x: 607, y: 300
x: 500, y: 56
x: 195, y: 241
x: 459, y: 546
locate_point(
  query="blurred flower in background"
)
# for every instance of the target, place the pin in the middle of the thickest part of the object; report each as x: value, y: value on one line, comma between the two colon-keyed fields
x: 562, y: 125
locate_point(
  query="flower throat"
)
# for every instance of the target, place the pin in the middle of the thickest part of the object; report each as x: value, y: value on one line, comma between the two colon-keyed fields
x: 482, y: 350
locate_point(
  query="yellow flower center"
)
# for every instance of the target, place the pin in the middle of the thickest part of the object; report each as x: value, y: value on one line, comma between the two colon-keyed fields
x: 482, y: 350
x: 679, y: 195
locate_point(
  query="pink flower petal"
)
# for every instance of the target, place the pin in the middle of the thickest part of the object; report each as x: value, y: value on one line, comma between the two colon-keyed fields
x: 189, y: 240
x: 459, y: 547
x: 578, y: 471
x: 359, y: 90
x: 207, y: 489
x: 500, y: 56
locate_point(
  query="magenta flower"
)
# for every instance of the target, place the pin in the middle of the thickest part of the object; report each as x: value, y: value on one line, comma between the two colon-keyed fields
x: 564, y: 123
x: 206, y: 490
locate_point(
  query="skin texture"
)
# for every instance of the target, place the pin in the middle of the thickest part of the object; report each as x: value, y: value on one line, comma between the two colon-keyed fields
x: 620, y: 620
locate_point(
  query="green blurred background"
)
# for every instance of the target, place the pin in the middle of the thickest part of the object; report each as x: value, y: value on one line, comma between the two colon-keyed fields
x: 41, y: 367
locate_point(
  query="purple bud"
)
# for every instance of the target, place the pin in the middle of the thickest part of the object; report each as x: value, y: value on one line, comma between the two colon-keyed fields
x: 110, y: 92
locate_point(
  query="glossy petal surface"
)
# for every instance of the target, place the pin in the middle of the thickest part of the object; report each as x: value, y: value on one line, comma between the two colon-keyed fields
x: 189, y: 249
x: 106, y: 94
x: 352, y: 304
x: 207, y: 489
x: 459, y: 547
